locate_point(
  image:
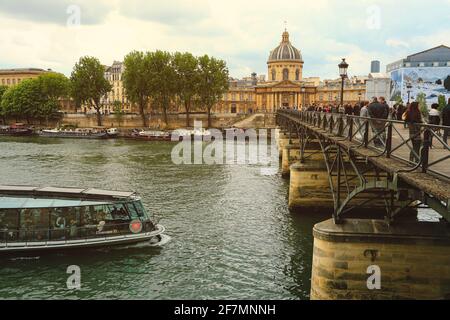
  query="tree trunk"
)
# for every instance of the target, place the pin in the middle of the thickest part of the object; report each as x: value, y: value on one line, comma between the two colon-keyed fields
x: 142, y: 112
x: 99, y: 117
x: 187, y: 107
x: 209, y: 118
x: 166, y: 119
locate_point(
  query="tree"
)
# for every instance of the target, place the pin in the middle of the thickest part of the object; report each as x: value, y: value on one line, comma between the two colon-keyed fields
x: 421, y: 99
x: 447, y: 83
x: 89, y: 83
x: 118, y: 112
x: 213, y: 82
x: 136, y: 81
x: 187, y: 76
x: 398, y: 100
x: 2, y: 91
x: 162, y: 81
x: 442, y: 102
x: 9, y: 103
x: 53, y: 87
x: 28, y: 99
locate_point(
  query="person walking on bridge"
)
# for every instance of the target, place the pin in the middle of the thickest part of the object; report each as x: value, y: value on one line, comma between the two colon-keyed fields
x: 413, y: 117
x: 446, y: 121
x: 379, y: 110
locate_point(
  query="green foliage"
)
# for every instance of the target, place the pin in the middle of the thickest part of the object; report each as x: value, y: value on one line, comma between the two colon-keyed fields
x: 187, y: 79
x: 136, y: 81
x: 54, y: 85
x: 421, y: 99
x: 35, y: 98
x: 89, y: 84
x: 162, y: 83
x: 442, y: 103
x: 398, y: 100
x: 213, y: 82
x: 164, y: 79
x: 447, y: 83
x: 2, y: 91
x: 118, y: 112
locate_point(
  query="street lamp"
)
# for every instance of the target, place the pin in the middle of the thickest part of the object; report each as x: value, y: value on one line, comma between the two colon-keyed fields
x: 409, y: 86
x: 304, y: 98
x: 343, y: 67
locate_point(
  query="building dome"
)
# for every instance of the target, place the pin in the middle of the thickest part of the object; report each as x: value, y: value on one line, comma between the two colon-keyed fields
x: 285, y: 51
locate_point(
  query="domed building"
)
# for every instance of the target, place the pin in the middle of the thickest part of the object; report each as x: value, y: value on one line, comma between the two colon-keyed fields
x: 285, y: 62
x: 285, y: 87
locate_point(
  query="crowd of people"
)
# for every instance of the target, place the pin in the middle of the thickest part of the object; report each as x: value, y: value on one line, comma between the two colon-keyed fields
x: 379, y: 110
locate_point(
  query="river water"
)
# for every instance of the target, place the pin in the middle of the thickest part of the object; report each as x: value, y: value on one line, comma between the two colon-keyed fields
x: 231, y: 233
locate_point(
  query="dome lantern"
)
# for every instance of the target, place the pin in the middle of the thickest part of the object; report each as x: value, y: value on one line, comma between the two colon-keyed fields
x: 285, y: 51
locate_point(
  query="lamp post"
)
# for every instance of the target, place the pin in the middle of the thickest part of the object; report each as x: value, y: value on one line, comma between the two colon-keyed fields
x: 343, y: 67
x: 303, y: 98
x: 409, y: 86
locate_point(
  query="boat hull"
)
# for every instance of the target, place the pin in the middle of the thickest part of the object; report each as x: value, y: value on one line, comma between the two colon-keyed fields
x: 74, y: 136
x: 33, y: 248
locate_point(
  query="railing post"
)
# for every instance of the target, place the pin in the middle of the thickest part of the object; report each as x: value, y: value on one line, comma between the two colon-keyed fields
x: 426, y: 150
x: 350, y: 128
x: 341, y: 126
x: 389, y: 140
x: 366, y: 133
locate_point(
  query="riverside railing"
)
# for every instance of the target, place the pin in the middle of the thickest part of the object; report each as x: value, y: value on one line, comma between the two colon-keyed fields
x: 32, y: 236
x: 420, y: 146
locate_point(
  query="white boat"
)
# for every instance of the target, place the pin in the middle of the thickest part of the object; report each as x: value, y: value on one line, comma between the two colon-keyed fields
x: 38, y: 220
x: 85, y: 133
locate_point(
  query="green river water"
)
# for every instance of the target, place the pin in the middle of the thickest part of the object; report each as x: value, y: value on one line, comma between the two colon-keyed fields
x: 231, y: 233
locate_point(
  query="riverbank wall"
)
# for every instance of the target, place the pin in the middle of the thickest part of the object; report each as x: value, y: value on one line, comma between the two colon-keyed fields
x: 129, y: 121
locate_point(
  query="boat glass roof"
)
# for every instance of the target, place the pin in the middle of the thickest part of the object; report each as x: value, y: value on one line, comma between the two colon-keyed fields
x: 83, y: 194
x: 31, y: 203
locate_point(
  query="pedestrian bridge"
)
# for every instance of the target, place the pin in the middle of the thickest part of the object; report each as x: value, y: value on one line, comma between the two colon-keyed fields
x: 369, y: 164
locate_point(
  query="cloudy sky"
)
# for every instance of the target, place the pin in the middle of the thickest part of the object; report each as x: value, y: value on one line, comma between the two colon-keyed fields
x: 55, y: 33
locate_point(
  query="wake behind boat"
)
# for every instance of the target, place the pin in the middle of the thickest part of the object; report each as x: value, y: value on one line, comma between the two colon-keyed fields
x: 36, y: 220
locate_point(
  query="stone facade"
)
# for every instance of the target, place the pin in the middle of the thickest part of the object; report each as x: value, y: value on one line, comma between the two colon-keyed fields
x: 12, y: 77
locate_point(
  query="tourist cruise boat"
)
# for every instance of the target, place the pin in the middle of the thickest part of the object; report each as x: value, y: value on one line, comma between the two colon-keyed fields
x: 85, y: 133
x: 38, y: 220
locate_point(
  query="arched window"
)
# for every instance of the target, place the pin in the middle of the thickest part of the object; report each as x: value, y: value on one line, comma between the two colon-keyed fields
x: 297, y: 75
x: 273, y: 74
x: 285, y: 74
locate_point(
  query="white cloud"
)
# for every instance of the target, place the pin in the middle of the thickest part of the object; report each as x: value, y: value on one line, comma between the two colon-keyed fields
x: 395, y: 43
x: 240, y: 32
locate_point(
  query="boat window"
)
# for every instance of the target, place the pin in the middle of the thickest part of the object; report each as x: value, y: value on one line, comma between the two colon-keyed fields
x: 141, y: 210
x: 118, y: 212
x: 9, y: 219
x: 34, y: 224
x: 134, y: 214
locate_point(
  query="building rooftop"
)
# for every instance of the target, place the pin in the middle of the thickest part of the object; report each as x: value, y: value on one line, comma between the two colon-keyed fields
x: 23, y: 70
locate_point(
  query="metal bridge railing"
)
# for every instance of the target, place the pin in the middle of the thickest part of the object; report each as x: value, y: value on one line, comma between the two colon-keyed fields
x: 418, y: 145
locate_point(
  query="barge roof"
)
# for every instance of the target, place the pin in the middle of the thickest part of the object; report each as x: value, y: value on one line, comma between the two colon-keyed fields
x: 65, y: 193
